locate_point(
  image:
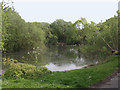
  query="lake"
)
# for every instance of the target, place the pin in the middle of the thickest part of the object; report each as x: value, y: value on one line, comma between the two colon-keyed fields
x: 56, y: 58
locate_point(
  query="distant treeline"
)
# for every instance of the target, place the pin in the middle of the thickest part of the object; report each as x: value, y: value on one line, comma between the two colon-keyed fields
x: 20, y: 35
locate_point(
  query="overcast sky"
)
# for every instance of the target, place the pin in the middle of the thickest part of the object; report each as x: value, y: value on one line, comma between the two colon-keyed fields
x: 69, y: 10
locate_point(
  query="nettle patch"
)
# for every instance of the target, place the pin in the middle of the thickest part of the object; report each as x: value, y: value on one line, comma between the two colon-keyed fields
x: 20, y: 70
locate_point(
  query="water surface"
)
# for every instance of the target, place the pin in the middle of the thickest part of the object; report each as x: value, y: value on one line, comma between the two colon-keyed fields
x: 56, y: 58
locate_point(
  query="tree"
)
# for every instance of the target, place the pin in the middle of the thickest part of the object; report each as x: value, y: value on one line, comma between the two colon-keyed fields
x: 17, y: 34
x: 65, y: 31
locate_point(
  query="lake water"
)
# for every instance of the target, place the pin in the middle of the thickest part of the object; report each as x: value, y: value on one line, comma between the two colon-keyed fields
x: 56, y: 58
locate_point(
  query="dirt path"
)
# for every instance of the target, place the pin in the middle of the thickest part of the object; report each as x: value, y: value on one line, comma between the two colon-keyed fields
x: 112, y: 81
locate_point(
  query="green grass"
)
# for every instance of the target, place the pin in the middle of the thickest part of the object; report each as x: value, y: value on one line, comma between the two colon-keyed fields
x: 22, y: 83
x: 80, y: 78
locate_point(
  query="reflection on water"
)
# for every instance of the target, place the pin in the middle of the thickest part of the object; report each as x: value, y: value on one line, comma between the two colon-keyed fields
x: 56, y: 58
x: 65, y: 67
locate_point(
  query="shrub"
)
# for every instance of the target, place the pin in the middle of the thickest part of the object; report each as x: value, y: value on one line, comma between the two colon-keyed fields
x: 21, y: 70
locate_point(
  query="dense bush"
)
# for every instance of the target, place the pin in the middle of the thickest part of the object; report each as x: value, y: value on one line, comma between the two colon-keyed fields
x: 19, y: 70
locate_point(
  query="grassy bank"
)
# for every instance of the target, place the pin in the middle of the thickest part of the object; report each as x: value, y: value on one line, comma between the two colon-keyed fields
x: 79, y: 78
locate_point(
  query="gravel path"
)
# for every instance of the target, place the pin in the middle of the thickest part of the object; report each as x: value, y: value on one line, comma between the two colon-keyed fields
x: 112, y: 81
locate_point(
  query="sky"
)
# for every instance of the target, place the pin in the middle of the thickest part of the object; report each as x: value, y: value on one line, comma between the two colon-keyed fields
x: 69, y: 10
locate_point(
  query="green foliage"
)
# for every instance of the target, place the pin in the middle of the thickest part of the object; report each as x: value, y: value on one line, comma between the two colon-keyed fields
x: 36, y: 36
x: 0, y: 26
x: 0, y: 83
x: 17, y: 34
x: 97, y: 37
x: 119, y: 29
x: 19, y: 70
x: 111, y: 26
x: 51, y: 39
x: 64, y: 31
